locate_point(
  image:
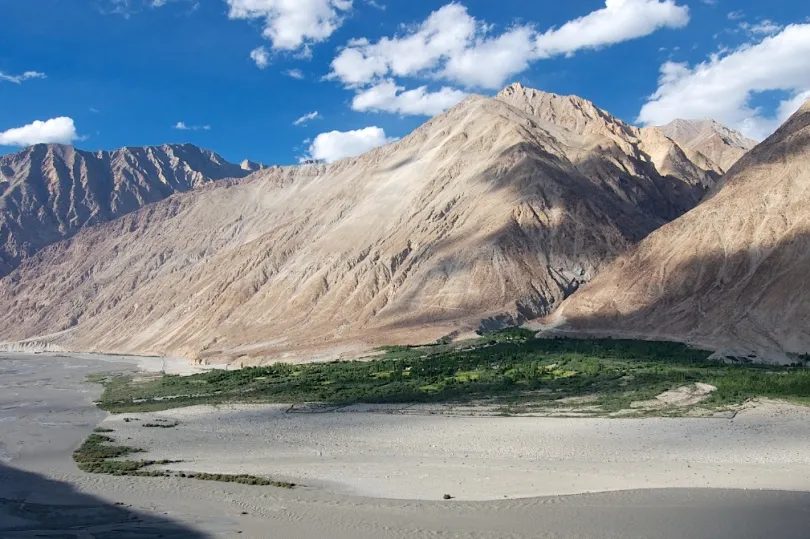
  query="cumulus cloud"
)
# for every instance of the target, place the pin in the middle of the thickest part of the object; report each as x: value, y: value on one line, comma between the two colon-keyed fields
x: 336, y: 145
x: 722, y: 87
x: 389, y: 97
x: 490, y: 62
x: 618, y: 21
x: 181, y: 126
x: 295, y: 74
x: 452, y: 45
x: 260, y: 56
x: 57, y: 130
x: 293, y: 24
x: 17, y: 79
x: 447, y: 32
x: 307, y: 117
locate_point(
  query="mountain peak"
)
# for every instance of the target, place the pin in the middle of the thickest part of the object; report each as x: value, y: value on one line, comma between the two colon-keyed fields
x: 570, y: 112
x: 60, y: 189
x: 727, y: 275
x: 719, y: 143
x: 250, y: 166
x: 517, y: 89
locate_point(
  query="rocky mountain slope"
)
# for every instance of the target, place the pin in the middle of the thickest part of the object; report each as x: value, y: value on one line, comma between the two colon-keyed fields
x: 631, y: 146
x: 722, y: 145
x: 730, y: 275
x: 49, y: 192
x: 489, y: 214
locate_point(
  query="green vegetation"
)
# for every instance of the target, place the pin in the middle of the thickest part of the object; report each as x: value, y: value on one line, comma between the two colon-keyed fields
x: 509, y: 369
x: 161, y: 425
x: 101, y: 430
x: 98, y: 455
x: 508, y: 335
x: 242, y: 478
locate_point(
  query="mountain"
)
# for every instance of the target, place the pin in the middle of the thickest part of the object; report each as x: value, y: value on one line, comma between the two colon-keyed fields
x: 730, y: 275
x: 489, y: 214
x: 50, y: 192
x: 634, y: 147
x: 250, y: 166
x: 722, y: 145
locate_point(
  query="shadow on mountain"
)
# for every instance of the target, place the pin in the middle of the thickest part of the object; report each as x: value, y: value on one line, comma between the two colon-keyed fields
x: 565, y: 227
x: 32, y: 505
x: 598, y: 180
x: 753, y: 301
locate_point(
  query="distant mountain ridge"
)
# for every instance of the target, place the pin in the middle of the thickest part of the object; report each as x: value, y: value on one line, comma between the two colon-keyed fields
x: 722, y: 145
x: 48, y: 192
x: 487, y: 215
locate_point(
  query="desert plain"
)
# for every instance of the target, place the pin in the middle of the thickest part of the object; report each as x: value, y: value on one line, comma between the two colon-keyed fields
x: 383, y: 471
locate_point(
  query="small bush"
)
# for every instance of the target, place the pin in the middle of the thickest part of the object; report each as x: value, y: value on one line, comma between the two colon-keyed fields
x: 242, y: 479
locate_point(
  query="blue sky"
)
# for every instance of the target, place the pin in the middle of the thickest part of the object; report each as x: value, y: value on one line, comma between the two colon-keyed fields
x: 238, y: 74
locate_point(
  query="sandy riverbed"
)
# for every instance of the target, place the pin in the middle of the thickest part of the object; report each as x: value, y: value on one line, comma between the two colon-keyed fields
x: 345, y: 458
x: 406, y: 456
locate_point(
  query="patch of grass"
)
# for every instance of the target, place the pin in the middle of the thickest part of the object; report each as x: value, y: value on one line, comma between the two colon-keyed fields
x: 101, y: 430
x: 99, y: 455
x: 160, y: 425
x: 98, y: 378
x: 516, y: 371
x: 242, y: 478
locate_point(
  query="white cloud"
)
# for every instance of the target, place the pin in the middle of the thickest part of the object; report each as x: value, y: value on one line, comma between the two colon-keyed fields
x: 295, y: 74
x: 722, y: 87
x: 183, y: 127
x: 336, y: 145
x: 447, y: 32
x: 490, y: 62
x: 452, y: 45
x: 388, y: 97
x: 57, y: 130
x: 788, y: 106
x: 293, y: 24
x: 307, y: 117
x: 260, y: 56
x: 17, y: 79
x: 618, y: 21
x: 736, y: 15
x: 765, y: 27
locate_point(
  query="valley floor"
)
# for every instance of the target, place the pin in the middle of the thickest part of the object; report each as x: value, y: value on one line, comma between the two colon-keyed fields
x: 390, y: 454
x: 352, y: 462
